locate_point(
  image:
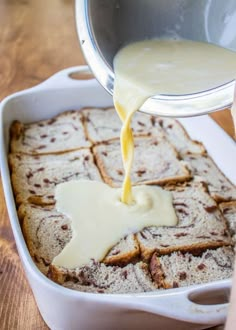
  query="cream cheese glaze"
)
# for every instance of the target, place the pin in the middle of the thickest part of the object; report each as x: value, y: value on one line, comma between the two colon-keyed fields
x: 99, y: 219
x: 102, y: 215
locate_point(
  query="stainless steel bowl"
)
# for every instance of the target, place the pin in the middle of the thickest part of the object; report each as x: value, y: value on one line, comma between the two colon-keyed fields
x: 104, y: 26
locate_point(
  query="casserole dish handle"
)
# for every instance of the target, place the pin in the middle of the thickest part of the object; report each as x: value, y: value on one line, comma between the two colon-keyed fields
x: 67, y: 78
x: 205, y: 304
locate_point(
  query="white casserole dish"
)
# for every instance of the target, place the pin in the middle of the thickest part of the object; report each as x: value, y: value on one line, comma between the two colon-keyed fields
x: 66, y: 309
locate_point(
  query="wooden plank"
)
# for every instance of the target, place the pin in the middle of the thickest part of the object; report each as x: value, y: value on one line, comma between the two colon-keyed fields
x: 224, y: 119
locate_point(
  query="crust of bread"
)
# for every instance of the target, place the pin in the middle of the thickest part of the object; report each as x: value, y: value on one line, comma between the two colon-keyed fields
x: 117, y: 256
x: 156, y: 270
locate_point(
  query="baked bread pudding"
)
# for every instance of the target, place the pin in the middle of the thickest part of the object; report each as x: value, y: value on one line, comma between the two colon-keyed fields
x: 85, y: 145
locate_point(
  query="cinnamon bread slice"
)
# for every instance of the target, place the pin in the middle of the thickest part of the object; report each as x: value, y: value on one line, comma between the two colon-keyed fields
x: 104, y: 124
x: 62, y: 133
x: 155, y: 162
x: 200, y: 225
x: 46, y: 233
x: 229, y: 212
x: 204, y: 169
x: 178, y: 269
x: 99, y: 278
x: 179, y: 138
x: 34, y: 177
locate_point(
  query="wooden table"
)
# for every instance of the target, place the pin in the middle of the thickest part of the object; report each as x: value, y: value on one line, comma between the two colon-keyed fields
x: 37, y: 39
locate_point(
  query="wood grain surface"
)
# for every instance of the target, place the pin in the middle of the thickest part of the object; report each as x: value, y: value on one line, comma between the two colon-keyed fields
x: 37, y: 39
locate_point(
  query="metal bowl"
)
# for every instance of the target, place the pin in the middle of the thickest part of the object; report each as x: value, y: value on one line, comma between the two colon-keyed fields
x: 104, y: 26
